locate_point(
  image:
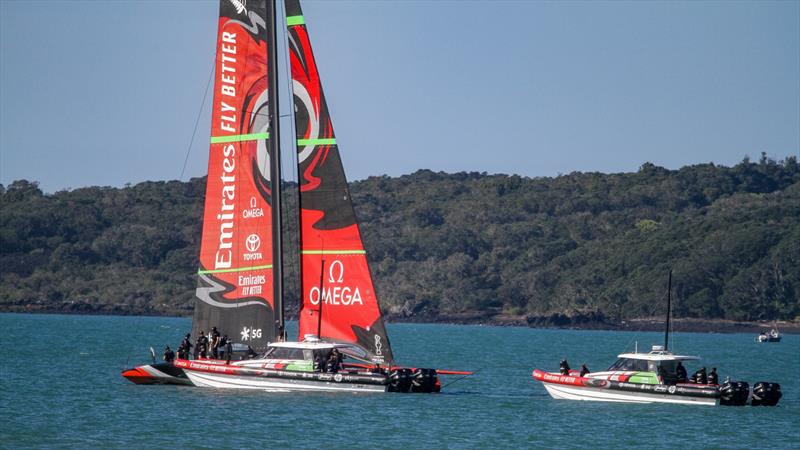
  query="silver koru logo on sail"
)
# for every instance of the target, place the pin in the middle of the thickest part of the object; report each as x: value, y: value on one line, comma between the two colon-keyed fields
x: 240, y: 5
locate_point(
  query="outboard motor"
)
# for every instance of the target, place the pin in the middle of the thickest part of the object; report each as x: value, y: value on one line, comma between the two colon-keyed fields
x: 424, y: 380
x: 766, y: 394
x: 400, y: 380
x: 734, y: 393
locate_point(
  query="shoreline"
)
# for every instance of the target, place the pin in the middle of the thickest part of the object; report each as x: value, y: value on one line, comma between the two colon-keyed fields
x: 555, y: 321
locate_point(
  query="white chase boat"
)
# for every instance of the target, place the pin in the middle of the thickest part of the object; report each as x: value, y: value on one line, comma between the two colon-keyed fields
x: 654, y: 377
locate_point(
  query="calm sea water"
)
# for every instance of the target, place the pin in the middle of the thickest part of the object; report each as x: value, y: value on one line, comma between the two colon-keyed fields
x: 61, y: 387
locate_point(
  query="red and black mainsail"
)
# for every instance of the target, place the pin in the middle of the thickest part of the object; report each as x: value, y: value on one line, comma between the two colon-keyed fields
x: 339, y: 302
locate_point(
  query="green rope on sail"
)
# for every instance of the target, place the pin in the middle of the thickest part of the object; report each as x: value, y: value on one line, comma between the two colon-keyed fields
x: 328, y: 141
x: 239, y: 269
x: 333, y: 252
x: 295, y: 20
x: 238, y: 138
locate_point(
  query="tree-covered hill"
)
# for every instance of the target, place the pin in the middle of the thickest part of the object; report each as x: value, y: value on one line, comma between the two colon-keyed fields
x: 586, y: 246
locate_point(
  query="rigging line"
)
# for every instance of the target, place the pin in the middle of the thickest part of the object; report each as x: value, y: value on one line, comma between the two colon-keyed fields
x: 197, y: 121
x: 461, y: 378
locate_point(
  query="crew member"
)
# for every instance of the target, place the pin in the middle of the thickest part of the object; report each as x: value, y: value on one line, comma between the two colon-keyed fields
x: 713, y: 378
x: 223, y: 341
x: 334, y: 361
x: 700, y: 377
x: 169, y: 355
x: 214, y: 343
x: 680, y: 372
x: 584, y: 369
x: 563, y: 367
x: 201, y: 346
x: 228, y: 350
x: 185, y: 347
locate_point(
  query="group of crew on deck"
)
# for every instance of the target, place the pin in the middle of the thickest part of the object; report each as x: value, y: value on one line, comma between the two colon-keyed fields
x: 221, y: 347
x: 699, y: 377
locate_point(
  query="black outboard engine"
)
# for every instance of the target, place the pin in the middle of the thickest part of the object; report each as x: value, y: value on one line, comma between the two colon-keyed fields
x: 734, y: 393
x: 766, y: 394
x: 400, y: 380
x: 424, y: 380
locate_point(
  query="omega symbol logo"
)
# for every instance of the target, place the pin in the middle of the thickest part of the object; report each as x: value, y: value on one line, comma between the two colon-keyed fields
x: 332, y: 272
x: 253, y: 242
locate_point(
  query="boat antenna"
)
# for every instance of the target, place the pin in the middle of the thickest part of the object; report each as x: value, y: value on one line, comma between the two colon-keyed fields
x: 275, y: 169
x: 669, y: 305
x: 321, y: 298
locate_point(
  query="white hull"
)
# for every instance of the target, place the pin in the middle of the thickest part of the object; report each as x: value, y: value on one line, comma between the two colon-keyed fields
x: 565, y: 392
x: 205, y: 379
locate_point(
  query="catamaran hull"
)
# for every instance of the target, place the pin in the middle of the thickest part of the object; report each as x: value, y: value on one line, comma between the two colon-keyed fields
x: 164, y: 373
x: 220, y: 375
x: 579, y: 388
x: 204, y: 379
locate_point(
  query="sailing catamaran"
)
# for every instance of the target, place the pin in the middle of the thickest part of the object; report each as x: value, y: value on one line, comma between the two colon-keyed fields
x: 240, y: 280
x: 654, y: 377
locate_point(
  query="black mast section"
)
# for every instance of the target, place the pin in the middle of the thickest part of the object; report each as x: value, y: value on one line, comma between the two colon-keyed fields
x: 275, y: 168
x: 669, y: 301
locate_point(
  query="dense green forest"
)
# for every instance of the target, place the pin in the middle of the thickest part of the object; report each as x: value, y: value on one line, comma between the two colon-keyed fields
x: 582, y: 246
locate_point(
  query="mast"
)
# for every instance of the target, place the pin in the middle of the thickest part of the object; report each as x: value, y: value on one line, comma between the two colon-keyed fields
x: 669, y: 301
x: 275, y: 168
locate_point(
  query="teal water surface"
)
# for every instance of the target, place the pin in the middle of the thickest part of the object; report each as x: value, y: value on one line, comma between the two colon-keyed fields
x: 61, y: 388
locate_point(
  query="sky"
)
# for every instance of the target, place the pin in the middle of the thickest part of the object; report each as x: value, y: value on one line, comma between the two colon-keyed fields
x: 108, y: 93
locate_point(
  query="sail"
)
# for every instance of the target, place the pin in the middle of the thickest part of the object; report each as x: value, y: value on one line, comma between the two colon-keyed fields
x: 339, y: 301
x: 235, y: 281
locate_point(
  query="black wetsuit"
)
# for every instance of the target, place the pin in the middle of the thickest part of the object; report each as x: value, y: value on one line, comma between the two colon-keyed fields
x: 222, y: 347
x: 184, y: 349
x: 681, y: 373
x: 564, y: 367
x: 201, y: 347
x: 713, y: 378
x: 215, y: 343
x: 169, y: 355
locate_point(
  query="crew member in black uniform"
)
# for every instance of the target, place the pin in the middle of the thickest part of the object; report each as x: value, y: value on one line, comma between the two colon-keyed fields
x: 680, y: 372
x: 584, y: 369
x: 700, y: 377
x: 563, y: 367
x: 713, y: 378
x: 334, y: 361
x: 169, y: 355
x: 201, y: 346
x: 214, y: 343
x: 185, y: 347
x: 223, y: 341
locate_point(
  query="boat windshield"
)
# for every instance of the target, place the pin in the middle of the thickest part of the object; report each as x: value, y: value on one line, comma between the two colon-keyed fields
x: 634, y: 365
x: 285, y: 353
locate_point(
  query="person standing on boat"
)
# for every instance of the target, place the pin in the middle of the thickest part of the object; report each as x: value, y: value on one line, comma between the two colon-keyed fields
x: 584, y: 369
x: 201, y: 346
x: 185, y: 347
x: 563, y: 367
x: 680, y: 371
x: 214, y: 343
x: 221, y: 347
x: 713, y: 378
x: 169, y: 355
x: 228, y: 349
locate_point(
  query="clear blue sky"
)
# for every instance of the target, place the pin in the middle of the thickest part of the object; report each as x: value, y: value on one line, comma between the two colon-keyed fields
x: 107, y: 92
